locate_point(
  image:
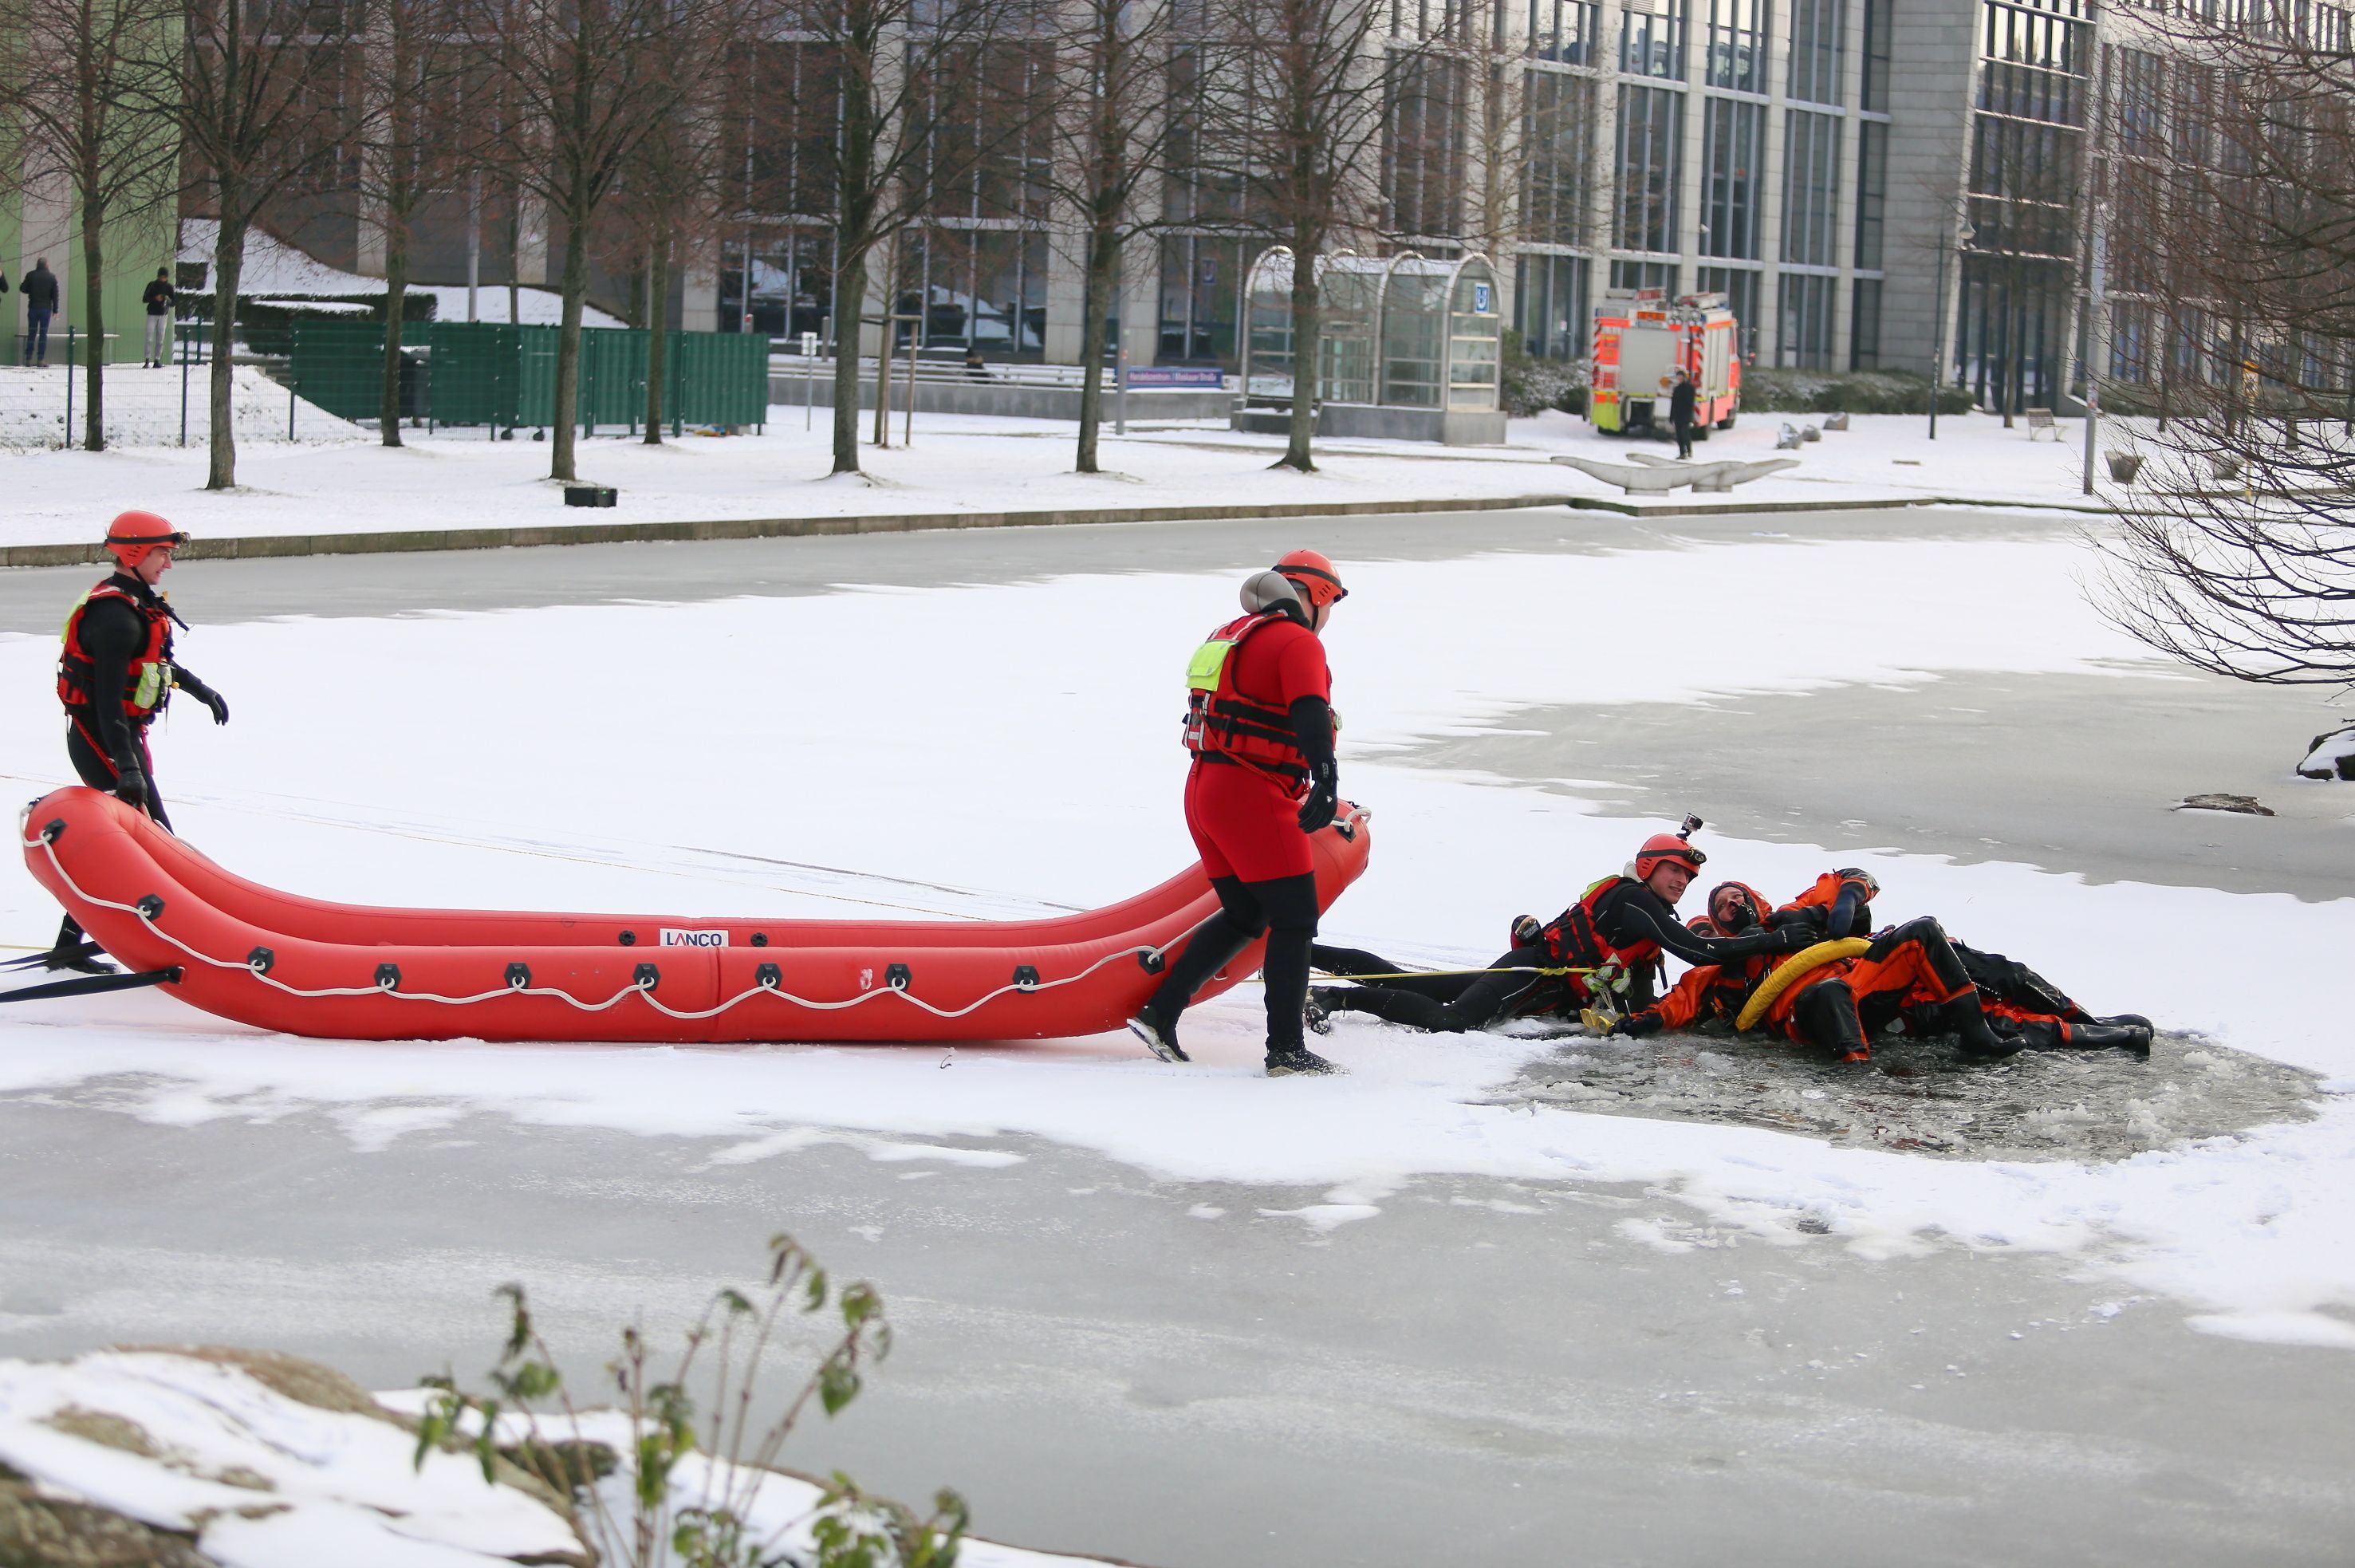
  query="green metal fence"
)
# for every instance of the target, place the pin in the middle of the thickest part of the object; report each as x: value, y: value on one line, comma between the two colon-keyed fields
x: 483, y: 373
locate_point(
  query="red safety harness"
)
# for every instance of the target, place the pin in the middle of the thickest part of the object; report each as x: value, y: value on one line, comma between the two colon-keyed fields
x: 147, y: 683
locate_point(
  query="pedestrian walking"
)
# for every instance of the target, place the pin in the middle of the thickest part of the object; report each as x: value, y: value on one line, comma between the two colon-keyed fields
x: 115, y: 673
x: 1681, y: 413
x: 158, y: 299
x: 1259, y: 724
x: 40, y: 289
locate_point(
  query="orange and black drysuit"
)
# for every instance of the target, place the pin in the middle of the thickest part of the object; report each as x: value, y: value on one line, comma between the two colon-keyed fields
x: 115, y: 673
x: 1618, y: 928
x: 2021, y: 1004
x: 1910, y: 969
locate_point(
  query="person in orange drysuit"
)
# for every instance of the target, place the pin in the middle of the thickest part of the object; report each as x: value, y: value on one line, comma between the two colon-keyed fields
x: 1260, y: 726
x: 1913, y: 971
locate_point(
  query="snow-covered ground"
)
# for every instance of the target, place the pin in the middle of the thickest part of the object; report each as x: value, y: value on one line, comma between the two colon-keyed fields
x: 720, y: 757
x: 337, y: 481
x: 220, y: 1452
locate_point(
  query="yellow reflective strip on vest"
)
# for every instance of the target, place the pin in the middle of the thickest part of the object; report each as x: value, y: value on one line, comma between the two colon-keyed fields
x: 64, y: 630
x: 150, y: 685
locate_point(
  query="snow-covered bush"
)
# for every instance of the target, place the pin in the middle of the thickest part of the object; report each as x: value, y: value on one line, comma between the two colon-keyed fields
x: 1530, y: 385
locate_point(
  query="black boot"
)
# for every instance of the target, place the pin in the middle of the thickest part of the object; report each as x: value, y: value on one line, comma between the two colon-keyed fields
x: 2111, y: 1034
x: 1208, y: 949
x: 1963, y: 1018
x: 1284, y: 1064
x: 1323, y: 1003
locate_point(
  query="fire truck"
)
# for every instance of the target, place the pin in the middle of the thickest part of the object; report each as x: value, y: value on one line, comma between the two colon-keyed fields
x: 1641, y: 340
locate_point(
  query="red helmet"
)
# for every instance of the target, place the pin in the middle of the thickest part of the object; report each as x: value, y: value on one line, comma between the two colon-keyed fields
x: 1662, y: 847
x: 1314, y: 575
x: 133, y: 534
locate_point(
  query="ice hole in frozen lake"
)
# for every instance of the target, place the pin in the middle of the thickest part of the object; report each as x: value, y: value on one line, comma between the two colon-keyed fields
x: 1924, y: 1097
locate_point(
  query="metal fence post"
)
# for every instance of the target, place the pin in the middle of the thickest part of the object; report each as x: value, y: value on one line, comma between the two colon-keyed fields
x: 180, y: 331
x: 70, y: 379
x: 1120, y: 393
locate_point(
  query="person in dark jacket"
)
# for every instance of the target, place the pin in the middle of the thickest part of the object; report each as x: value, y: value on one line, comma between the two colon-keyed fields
x: 1681, y: 413
x: 115, y: 672
x: 158, y: 299
x: 40, y: 287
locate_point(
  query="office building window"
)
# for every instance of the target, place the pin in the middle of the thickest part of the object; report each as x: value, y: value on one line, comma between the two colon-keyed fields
x: 1877, y: 26
x: 1816, y: 28
x: 1872, y: 192
x: 1565, y: 31
x: 1732, y: 135
x: 1804, y: 336
x: 1737, y: 45
x: 1660, y: 276
x: 1864, y: 326
x: 1810, y: 188
x: 1549, y: 305
x: 1424, y: 146
x: 1653, y: 43
x: 1739, y: 287
x: 1651, y: 120
x: 1556, y: 139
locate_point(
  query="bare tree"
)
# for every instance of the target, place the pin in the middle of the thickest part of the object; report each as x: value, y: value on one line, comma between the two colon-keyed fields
x: 2235, y: 167
x: 1297, y: 92
x: 415, y: 144
x: 258, y: 90
x: 667, y: 206
x: 585, y: 83
x: 1113, y: 126
x: 895, y: 107
x: 70, y: 75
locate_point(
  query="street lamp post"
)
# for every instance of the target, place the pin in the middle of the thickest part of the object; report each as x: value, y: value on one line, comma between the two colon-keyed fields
x: 1958, y: 235
x: 2097, y: 307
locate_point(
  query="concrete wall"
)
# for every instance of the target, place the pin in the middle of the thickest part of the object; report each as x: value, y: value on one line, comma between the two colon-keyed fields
x: 1934, y: 52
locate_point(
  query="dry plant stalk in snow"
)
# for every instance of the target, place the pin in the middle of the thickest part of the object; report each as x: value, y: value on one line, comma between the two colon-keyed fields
x: 847, y: 1528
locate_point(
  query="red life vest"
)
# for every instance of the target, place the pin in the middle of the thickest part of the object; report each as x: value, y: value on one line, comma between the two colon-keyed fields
x: 1572, y: 938
x: 1222, y: 722
x: 147, y: 683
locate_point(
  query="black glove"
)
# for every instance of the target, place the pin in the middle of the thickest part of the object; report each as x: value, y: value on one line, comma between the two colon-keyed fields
x: 1323, y: 795
x: 1636, y: 1026
x: 216, y: 701
x: 1794, y: 938
x: 130, y: 785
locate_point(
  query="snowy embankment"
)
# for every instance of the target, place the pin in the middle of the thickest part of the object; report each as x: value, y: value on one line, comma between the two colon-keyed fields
x: 687, y: 771
x: 263, y: 1461
x: 147, y: 411
x: 958, y: 465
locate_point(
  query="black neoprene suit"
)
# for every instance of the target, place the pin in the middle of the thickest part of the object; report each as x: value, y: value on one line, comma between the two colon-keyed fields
x: 112, y: 632
x: 1451, y: 1004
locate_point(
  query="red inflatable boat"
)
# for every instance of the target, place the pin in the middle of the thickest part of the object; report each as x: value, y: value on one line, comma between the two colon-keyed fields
x: 278, y: 961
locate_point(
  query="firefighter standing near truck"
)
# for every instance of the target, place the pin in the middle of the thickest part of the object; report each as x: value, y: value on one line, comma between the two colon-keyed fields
x: 115, y: 672
x: 1259, y: 723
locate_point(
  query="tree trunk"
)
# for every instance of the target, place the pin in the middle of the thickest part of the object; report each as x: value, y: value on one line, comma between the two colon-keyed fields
x: 568, y: 346
x: 657, y: 336
x: 396, y: 294
x: 1103, y: 249
x: 1304, y: 325
x: 849, y: 304
x: 229, y: 267
x: 93, y: 311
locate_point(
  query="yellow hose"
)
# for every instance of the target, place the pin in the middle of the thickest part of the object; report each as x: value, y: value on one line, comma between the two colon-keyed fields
x: 1791, y: 971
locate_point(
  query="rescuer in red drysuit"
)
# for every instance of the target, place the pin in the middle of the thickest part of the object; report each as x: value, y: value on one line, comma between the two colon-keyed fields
x: 1260, y: 726
x: 1613, y: 936
x: 115, y: 673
